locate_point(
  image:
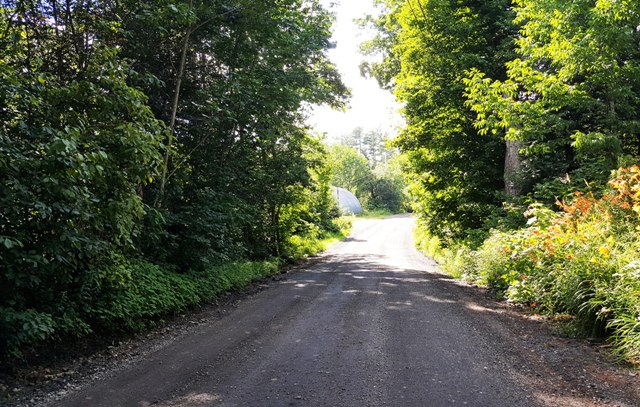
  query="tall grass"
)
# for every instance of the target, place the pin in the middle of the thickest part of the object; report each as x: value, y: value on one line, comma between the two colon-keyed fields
x: 315, y: 240
x: 455, y: 259
x: 583, y: 261
x: 153, y: 293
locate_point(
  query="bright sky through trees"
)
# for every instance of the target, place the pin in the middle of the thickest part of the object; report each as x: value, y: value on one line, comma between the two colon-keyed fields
x: 370, y: 107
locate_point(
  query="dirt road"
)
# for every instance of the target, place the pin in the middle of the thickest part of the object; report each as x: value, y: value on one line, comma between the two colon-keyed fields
x: 372, y: 324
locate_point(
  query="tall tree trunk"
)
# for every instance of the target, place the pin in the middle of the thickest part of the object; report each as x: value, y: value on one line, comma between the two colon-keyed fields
x: 172, y: 120
x: 513, y: 169
x: 176, y: 99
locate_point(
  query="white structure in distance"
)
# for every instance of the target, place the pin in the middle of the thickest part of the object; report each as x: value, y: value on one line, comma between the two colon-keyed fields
x: 347, y: 201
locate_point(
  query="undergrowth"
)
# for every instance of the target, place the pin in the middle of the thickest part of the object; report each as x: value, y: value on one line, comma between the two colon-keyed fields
x: 316, y: 240
x: 144, y: 294
x: 154, y: 292
x: 582, y: 261
x: 375, y: 213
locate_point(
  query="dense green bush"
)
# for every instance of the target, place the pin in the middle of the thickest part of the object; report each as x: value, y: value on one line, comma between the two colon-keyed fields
x: 316, y: 240
x: 384, y: 194
x: 73, y: 154
x: 153, y: 292
x: 144, y: 294
x: 150, y: 292
x: 112, y: 150
x: 582, y: 262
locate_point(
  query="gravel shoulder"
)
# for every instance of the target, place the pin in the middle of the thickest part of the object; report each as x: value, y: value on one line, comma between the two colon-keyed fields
x: 370, y: 322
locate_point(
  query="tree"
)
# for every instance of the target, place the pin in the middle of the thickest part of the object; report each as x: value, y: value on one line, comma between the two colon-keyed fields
x: 571, y: 97
x: 350, y: 169
x: 239, y: 139
x: 371, y: 144
x: 426, y: 48
x: 91, y: 176
x: 76, y: 145
x: 388, y: 191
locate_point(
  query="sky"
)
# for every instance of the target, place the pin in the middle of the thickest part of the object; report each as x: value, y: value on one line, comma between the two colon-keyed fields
x: 370, y: 107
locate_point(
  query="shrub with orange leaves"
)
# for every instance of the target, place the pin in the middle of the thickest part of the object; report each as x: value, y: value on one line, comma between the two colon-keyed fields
x: 576, y: 261
x: 626, y: 185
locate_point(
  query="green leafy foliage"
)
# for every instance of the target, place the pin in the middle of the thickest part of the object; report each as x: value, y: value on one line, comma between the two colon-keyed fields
x: 152, y: 293
x: 550, y: 89
x: 24, y: 327
x: 457, y: 260
x: 244, y: 163
x: 77, y: 142
x: 350, y: 169
x: 190, y: 155
x: 580, y: 262
x: 387, y: 190
x: 570, y: 96
x: 454, y: 172
x: 372, y: 144
x: 315, y: 240
x: 372, y: 171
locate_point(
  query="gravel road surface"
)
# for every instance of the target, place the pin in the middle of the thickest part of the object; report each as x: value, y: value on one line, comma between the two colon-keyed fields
x: 371, y: 323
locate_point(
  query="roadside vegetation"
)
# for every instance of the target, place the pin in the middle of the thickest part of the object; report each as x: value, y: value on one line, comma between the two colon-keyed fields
x: 153, y: 154
x: 375, y: 214
x: 521, y: 149
x: 363, y: 163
